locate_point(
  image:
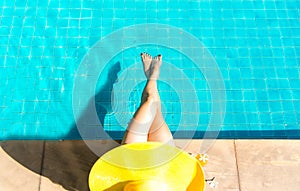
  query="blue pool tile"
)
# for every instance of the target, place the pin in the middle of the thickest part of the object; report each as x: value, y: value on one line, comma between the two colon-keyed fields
x: 288, y: 106
x: 278, y: 61
x: 259, y: 84
x: 19, y: 3
x: 6, y: 22
x: 265, y: 118
x: 204, y: 119
x: 280, y: 4
x: 235, y: 74
x: 253, y: 42
x: 239, y: 118
x: 238, y: 107
x: 291, y: 4
x: 277, y: 118
x: 255, y: 52
x: 296, y: 94
x: 273, y: 95
x: 248, y: 95
x: 7, y: 11
x: 294, y: 83
x: 252, y: 118
x: 263, y: 106
x: 235, y: 95
x: 41, y: 107
x: 271, y: 83
x: 235, y: 84
x: 258, y: 73
x: 291, y: 62
x: 283, y: 83
x: 261, y: 95
x: 230, y: 106
x: 205, y: 107
x: 289, y: 119
x: 298, y: 116
x: 4, y: 40
x: 286, y: 95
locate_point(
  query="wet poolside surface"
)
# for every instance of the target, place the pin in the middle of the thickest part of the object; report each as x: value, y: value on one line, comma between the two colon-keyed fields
x: 236, y: 164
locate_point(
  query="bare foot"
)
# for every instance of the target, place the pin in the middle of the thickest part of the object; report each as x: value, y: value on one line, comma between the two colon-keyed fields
x: 151, y: 66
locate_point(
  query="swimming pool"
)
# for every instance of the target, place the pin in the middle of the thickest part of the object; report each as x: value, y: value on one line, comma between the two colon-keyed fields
x: 254, y: 44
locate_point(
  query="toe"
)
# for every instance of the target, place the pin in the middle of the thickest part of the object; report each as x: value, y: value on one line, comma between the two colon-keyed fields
x: 159, y: 57
x: 144, y: 55
x: 148, y: 55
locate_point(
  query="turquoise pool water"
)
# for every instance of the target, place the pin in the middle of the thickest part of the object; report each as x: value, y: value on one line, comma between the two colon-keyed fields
x: 255, y: 45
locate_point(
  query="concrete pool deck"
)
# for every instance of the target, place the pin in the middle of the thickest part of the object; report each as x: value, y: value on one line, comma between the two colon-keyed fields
x: 244, y: 165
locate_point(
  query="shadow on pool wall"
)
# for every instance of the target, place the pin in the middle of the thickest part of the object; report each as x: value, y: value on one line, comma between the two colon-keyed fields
x: 103, y: 104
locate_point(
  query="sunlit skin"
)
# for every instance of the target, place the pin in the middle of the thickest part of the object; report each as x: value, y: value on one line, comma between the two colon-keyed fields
x: 148, y: 123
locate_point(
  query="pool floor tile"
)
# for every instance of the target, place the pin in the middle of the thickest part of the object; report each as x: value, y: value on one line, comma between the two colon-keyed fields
x: 268, y: 165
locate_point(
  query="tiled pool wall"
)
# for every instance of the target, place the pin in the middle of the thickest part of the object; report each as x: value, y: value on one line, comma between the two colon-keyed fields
x: 256, y: 45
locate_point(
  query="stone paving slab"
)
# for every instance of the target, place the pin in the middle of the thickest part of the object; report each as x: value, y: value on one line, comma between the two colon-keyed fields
x: 48, y: 185
x: 68, y: 163
x: 269, y: 165
x: 244, y: 165
x: 20, y: 165
x: 221, y: 163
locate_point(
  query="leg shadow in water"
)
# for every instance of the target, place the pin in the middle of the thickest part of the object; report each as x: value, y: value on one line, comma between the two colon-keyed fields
x: 68, y: 163
x: 87, y: 126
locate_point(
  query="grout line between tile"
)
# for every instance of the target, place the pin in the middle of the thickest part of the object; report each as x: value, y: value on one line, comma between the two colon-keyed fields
x: 42, y: 165
x: 236, y: 164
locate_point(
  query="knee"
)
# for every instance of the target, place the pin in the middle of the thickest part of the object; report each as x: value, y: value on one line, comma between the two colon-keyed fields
x: 151, y: 96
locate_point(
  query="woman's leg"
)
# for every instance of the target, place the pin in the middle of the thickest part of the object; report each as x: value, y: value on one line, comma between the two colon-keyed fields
x: 159, y: 130
x: 138, y: 128
x: 148, y: 123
